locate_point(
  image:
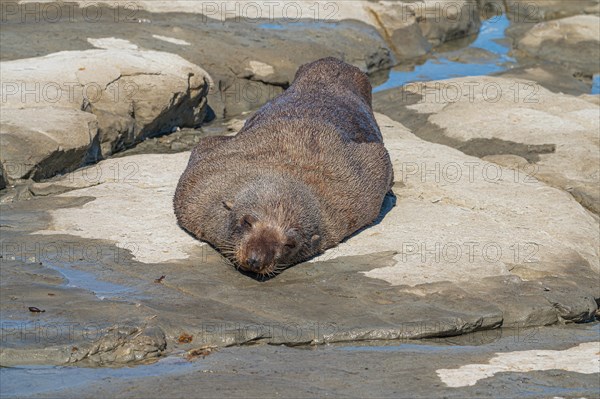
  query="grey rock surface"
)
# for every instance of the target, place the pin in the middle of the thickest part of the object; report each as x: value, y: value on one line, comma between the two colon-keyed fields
x: 460, y: 252
x: 525, y: 363
x: 252, y: 57
x: 250, y: 60
x: 42, y: 141
x: 70, y: 108
x: 436, y: 21
x: 573, y: 42
x: 531, y: 11
x: 553, y: 77
x: 548, y: 136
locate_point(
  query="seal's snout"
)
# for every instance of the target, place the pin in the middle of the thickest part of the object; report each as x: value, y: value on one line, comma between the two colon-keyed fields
x: 254, y: 263
x: 260, y: 251
x: 259, y: 259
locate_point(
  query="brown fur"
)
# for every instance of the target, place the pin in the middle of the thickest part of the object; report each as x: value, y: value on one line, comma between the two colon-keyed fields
x: 306, y: 171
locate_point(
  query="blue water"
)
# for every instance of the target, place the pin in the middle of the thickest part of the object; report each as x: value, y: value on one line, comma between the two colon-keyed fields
x: 31, y: 380
x: 88, y: 281
x: 272, y: 26
x: 596, y: 85
x: 491, y: 31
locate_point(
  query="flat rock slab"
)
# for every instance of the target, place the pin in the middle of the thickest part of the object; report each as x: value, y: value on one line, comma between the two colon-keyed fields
x: 553, y: 77
x: 530, y: 11
x: 460, y: 252
x: 250, y: 60
x: 516, y: 123
x: 251, y: 49
x: 69, y: 108
x: 39, y: 142
x: 573, y: 42
x: 434, y: 20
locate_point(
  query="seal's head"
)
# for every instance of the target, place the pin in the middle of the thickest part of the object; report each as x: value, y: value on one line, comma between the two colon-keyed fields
x: 261, y: 246
x: 269, y: 229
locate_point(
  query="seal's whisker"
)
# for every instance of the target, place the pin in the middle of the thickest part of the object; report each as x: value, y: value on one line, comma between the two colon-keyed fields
x: 226, y: 260
x: 227, y: 247
x: 282, y: 266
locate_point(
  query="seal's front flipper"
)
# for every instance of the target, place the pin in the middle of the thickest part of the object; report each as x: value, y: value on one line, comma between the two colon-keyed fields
x: 205, y: 145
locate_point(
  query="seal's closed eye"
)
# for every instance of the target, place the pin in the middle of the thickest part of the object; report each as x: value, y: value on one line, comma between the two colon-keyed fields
x: 292, y: 241
x: 247, y: 221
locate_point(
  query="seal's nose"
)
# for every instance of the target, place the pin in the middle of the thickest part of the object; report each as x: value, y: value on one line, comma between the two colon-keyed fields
x: 253, y: 262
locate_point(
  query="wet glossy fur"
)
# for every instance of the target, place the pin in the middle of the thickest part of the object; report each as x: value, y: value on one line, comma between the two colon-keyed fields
x: 306, y: 171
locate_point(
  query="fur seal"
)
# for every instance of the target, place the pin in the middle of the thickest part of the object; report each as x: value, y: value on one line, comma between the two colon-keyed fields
x: 305, y: 172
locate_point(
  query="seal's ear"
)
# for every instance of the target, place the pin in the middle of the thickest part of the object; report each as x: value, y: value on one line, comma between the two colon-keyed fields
x: 227, y: 205
x: 315, y: 239
x: 248, y: 221
x: 291, y: 239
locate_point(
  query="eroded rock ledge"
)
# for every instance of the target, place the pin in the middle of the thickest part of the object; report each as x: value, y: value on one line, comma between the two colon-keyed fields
x: 70, y: 108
